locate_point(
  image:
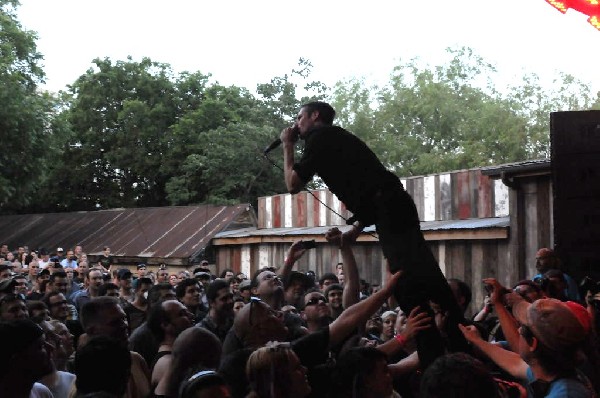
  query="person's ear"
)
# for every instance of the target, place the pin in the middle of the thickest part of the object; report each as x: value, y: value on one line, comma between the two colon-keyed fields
x: 314, y: 116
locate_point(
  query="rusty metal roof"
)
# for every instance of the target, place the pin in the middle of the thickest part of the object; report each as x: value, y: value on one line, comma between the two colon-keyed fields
x: 469, y: 224
x: 158, y: 232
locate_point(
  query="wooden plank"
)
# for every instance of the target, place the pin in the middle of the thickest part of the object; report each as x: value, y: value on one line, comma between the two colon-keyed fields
x: 429, y: 198
x: 473, y: 192
x: 484, y: 196
x: 501, y: 199
x: 477, y: 275
x: 269, y: 212
x: 530, y: 217
x: 544, y: 214
x: 419, y: 196
x: 445, y: 197
x: 276, y: 210
x: 301, y: 204
x: 454, y: 196
x: 288, y: 210
x: 463, y: 195
x: 261, y: 212
x: 437, y: 194
x: 457, y: 260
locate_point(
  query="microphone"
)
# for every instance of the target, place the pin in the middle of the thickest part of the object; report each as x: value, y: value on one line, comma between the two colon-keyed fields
x: 273, y: 145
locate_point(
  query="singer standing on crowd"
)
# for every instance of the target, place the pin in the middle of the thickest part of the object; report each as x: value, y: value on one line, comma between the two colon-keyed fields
x: 375, y: 196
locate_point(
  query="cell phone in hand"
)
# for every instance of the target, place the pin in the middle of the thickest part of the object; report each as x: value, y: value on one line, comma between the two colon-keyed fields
x: 308, y: 244
x: 488, y: 288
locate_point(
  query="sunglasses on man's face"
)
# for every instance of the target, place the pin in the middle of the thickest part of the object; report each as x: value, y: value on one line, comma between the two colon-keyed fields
x: 315, y: 301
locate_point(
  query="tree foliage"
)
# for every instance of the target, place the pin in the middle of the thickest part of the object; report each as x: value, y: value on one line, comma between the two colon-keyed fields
x: 24, y: 113
x: 451, y: 117
x: 129, y: 133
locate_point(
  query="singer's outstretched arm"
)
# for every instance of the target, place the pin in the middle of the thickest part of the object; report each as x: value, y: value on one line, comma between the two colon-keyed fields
x: 293, y: 182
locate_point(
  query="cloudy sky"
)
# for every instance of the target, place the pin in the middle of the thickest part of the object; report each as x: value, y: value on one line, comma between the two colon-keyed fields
x: 245, y: 42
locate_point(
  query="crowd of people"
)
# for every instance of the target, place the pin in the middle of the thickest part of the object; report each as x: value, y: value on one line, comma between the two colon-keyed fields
x: 72, y: 328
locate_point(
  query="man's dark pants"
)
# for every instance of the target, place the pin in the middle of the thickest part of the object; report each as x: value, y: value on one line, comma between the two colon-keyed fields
x: 422, y: 280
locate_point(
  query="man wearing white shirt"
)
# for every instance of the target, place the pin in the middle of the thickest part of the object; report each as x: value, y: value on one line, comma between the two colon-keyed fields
x: 70, y: 260
x: 44, y: 259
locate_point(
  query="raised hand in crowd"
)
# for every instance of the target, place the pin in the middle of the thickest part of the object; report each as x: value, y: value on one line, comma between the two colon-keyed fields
x: 417, y: 320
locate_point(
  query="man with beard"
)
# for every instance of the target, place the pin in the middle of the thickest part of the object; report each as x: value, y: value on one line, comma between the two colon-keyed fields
x: 296, y: 286
x: 103, y: 316
x: 166, y: 321
x: 137, y: 310
x: 267, y: 286
x: 220, y: 315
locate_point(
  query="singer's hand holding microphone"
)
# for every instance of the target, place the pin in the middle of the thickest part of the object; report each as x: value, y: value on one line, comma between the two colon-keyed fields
x: 289, y: 134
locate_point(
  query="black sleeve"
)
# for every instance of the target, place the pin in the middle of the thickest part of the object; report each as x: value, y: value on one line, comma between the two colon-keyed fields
x: 313, y: 349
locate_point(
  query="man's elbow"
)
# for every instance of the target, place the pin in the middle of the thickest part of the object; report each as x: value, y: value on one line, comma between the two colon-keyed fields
x: 294, y: 186
x: 294, y: 190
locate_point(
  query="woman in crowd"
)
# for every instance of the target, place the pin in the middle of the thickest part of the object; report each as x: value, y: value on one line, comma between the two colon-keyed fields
x: 274, y: 371
x: 389, y: 323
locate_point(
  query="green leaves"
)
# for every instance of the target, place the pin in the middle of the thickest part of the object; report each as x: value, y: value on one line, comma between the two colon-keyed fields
x: 430, y: 120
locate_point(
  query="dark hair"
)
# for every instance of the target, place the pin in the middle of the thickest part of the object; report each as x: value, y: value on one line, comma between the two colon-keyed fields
x: 465, y: 290
x: 47, y: 297
x: 555, y: 273
x: 90, y: 311
x: 562, y: 361
x: 183, y: 285
x: 335, y: 286
x: 225, y: 271
x: 328, y: 275
x: 143, y: 281
x: 57, y: 274
x: 326, y: 111
x: 156, y: 317
x: 530, y: 283
x: 254, y: 281
x: 353, y: 368
x: 4, y: 267
x: 457, y: 375
x: 105, y: 287
x: 32, y: 306
x: 214, y: 287
x: 154, y: 292
x: 104, y: 353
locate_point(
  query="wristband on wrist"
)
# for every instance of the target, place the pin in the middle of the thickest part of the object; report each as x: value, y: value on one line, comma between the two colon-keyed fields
x: 400, y: 338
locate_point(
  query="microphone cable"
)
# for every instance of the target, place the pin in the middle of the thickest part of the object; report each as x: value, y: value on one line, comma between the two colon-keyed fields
x: 266, y: 155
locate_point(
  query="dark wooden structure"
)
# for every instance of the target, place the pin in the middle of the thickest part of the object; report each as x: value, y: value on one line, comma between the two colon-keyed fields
x: 465, y: 218
x: 575, y: 138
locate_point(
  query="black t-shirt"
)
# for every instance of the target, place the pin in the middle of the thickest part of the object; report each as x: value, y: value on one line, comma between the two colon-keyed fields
x: 312, y: 350
x: 349, y: 168
x: 106, y: 261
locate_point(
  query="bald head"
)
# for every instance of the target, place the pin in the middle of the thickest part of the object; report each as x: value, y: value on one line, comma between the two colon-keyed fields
x: 198, y: 347
x: 257, y: 323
